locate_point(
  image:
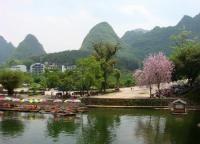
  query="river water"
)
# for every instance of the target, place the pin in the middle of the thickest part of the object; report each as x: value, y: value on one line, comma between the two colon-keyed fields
x: 101, y: 126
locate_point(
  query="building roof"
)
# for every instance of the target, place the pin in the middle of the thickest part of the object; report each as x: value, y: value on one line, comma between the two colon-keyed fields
x: 179, y: 100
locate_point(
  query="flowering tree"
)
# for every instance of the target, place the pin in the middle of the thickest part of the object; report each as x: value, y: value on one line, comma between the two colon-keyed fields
x: 156, y: 70
x: 143, y: 78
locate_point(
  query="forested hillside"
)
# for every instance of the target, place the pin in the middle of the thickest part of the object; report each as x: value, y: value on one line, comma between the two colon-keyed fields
x: 158, y: 39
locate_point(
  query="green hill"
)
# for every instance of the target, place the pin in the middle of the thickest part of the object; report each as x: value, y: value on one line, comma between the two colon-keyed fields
x: 29, y: 47
x: 62, y: 58
x: 103, y: 32
x: 6, y: 49
x: 158, y: 39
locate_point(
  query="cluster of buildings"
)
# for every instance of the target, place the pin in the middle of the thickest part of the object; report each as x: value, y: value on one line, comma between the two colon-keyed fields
x: 39, y: 68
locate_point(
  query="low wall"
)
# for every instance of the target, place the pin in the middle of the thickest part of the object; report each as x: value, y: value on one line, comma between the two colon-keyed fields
x: 127, y: 102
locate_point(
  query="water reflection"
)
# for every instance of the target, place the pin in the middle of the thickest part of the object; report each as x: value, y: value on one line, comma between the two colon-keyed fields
x: 183, y: 129
x: 152, y: 130
x: 11, y: 127
x: 56, y: 126
x: 98, y: 128
x: 101, y: 126
x: 32, y: 116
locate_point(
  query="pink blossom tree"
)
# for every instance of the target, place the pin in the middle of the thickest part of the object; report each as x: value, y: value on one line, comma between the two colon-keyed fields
x: 157, y: 69
x: 143, y: 78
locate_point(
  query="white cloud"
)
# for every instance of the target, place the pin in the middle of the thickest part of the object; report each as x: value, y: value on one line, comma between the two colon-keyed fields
x: 133, y: 9
x: 55, y: 32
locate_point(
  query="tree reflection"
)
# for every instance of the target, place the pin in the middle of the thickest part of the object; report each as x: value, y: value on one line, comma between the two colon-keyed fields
x: 152, y: 130
x: 183, y: 129
x: 32, y: 116
x: 56, y: 126
x: 99, y: 128
x: 11, y: 127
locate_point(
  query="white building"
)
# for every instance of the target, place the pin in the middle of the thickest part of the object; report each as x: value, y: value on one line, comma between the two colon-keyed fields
x: 68, y: 67
x: 21, y: 68
x: 63, y: 69
x: 37, y: 68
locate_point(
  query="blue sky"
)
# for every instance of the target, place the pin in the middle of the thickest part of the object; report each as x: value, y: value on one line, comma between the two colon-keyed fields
x: 62, y: 24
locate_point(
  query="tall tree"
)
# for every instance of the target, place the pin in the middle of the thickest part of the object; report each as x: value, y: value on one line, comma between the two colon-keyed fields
x: 89, y: 71
x: 11, y: 80
x: 52, y: 79
x: 117, y: 76
x: 104, y: 53
x: 159, y: 67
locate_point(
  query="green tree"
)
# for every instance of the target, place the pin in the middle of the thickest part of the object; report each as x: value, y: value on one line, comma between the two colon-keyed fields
x: 186, y: 58
x: 67, y: 81
x: 52, y: 79
x: 11, y: 80
x: 104, y: 53
x: 89, y: 73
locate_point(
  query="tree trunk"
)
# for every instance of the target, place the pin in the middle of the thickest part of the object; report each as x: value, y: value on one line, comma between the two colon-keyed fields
x: 105, y: 82
x: 10, y: 92
x: 150, y: 88
x: 158, y: 85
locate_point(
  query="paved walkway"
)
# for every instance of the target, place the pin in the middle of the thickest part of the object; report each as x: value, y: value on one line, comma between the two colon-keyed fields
x: 128, y: 93
x: 124, y: 93
x: 134, y: 92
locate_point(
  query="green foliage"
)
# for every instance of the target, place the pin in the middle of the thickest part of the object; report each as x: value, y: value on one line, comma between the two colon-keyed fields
x: 127, y: 79
x: 11, y: 80
x: 142, y: 43
x: 52, y: 79
x: 62, y: 58
x: 104, y: 53
x: 90, y: 73
x: 67, y: 81
x: 117, y: 75
x: 186, y: 58
x: 194, y: 95
x: 38, y: 82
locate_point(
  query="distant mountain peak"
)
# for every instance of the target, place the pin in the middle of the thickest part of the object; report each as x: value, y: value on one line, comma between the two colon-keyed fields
x: 101, y: 32
x: 185, y: 20
x: 197, y: 17
x: 140, y: 30
x: 6, y: 49
x: 104, y: 23
x: 2, y: 39
x: 30, y: 46
x: 31, y: 37
x: 102, y: 26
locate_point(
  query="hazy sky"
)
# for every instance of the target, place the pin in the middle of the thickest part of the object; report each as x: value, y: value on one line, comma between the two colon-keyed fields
x: 62, y: 24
